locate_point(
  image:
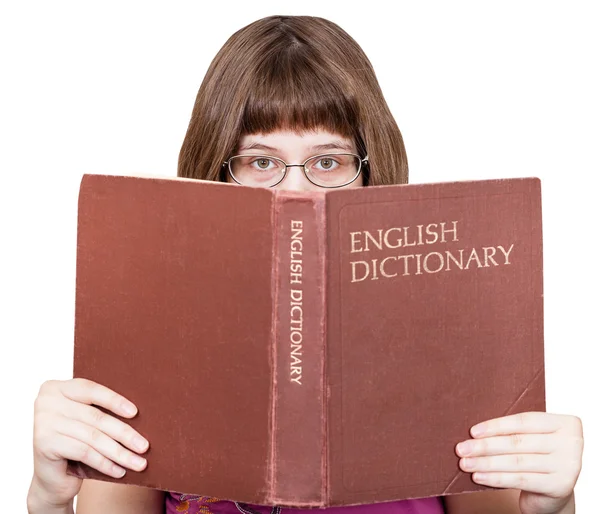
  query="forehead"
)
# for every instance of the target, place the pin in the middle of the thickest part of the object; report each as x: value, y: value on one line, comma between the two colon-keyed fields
x: 288, y: 139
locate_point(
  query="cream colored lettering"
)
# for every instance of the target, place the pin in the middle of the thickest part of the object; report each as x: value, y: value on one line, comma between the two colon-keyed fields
x: 296, y: 309
x: 429, y: 263
x: 386, y: 238
x: 491, y: 250
x: 420, y: 232
x: 406, y: 243
x: 418, y: 259
x: 376, y: 242
x: 506, y: 253
x: 296, y: 312
x: 426, y: 260
x: 374, y: 269
x: 296, y: 227
x: 354, y: 242
x: 450, y: 256
x: 296, y: 370
x: 405, y: 259
x: 453, y: 230
x: 473, y: 257
x: 396, y: 237
x: 433, y: 233
x: 382, y: 269
x: 366, y: 269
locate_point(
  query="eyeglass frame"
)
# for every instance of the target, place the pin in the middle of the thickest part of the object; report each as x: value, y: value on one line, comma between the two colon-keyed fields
x: 303, y: 166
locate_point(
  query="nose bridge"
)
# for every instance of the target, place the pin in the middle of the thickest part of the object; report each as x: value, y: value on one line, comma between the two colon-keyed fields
x: 295, y: 179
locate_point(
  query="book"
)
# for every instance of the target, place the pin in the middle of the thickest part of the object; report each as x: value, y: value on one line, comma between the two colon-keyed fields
x: 309, y: 349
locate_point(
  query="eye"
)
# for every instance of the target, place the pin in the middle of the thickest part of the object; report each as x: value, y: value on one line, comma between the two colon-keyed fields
x: 327, y: 163
x: 262, y: 163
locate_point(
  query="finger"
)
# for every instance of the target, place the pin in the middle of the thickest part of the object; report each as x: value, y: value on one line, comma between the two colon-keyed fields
x: 112, y: 427
x: 85, y: 391
x: 65, y: 447
x: 522, y: 423
x: 101, y: 443
x: 518, y: 463
x: 540, y: 483
x: 508, y: 444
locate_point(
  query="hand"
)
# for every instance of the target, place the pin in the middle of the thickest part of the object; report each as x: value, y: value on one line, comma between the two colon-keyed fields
x: 536, y: 452
x: 68, y: 426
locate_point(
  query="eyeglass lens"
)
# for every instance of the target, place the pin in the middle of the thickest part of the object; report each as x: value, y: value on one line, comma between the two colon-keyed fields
x: 326, y: 170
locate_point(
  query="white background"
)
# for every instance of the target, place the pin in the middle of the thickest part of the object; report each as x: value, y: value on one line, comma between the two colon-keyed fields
x: 479, y: 90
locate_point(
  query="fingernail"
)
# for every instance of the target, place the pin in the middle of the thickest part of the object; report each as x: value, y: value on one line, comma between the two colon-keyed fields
x: 464, y: 448
x: 477, y: 430
x: 467, y: 464
x: 118, y: 471
x: 140, y: 443
x: 128, y: 408
x: 138, y: 462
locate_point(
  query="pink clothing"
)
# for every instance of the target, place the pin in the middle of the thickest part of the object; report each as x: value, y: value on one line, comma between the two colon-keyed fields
x: 177, y: 503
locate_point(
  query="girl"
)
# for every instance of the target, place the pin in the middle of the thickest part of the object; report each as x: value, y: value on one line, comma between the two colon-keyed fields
x: 291, y: 93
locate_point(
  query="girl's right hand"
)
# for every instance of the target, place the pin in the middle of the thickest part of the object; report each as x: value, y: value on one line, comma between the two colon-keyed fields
x: 68, y: 426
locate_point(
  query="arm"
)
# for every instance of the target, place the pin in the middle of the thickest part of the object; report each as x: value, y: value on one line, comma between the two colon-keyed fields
x: 97, y: 497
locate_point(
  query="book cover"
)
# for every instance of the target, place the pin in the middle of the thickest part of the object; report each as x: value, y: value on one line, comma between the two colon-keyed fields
x: 310, y: 349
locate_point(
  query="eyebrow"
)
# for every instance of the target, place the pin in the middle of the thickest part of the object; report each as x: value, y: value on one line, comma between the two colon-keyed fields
x: 334, y: 145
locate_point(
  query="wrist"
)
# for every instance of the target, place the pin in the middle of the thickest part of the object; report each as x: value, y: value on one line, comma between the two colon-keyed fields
x: 569, y: 506
x: 39, y: 503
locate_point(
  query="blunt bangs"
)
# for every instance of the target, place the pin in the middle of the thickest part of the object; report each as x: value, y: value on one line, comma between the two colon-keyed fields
x: 297, y: 92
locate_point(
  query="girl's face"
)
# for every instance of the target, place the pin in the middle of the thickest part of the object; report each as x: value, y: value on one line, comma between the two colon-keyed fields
x: 295, y: 148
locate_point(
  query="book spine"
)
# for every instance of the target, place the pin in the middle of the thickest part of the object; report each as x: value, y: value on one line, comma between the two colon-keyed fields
x: 298, y: 436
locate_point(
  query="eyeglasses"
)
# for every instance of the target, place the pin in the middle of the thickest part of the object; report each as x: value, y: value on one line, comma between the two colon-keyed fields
x: 329, y: 170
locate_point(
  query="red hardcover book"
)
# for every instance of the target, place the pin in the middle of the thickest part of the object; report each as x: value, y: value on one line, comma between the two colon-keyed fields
x: 310, y: 349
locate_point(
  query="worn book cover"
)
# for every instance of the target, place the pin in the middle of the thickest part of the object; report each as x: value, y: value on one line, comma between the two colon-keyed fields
x: 310, y: 349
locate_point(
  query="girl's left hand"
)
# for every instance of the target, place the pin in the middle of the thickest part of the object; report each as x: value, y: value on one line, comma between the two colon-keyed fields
x: 536, y: 452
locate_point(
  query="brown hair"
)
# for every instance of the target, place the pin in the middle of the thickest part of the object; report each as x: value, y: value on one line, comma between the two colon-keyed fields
x: 291, y: 72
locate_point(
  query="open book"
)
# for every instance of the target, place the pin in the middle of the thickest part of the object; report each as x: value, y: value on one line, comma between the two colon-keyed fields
x: 310, y: 349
